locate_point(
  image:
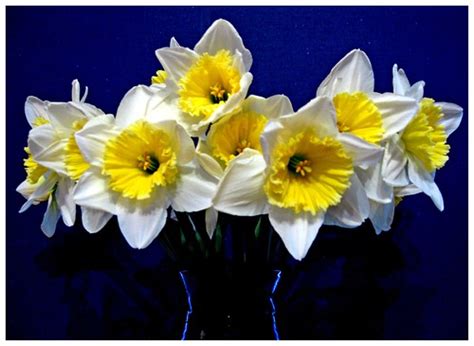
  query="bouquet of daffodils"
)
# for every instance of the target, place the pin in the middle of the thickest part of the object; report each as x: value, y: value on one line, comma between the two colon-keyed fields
x: 195, y: 141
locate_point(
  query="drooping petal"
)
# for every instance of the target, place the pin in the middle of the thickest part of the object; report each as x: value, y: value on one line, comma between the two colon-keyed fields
x: 94, y: 220
x: 211, y: 221
x: 34, y: 108
x: 194, y: 190
x: 452, y: 116
x: 425, y: 181
x: 47, y: 149
x: 222, y: 35
x: 272, y: 107
x: 50, y: 218
x: 176, y: 61
x: 297, y: 231
x: 394, y: 164
x: 42, y: 191
x: 352, y: 210
x: 93, y: 137
x: 319, y: 113
x: 381, y: 215
x: 240, y: 191
x: 396, y: 111
x: 65, y: 201
x: 375, y: 186
x: 141, y: 227
x: 352, y: 73
x: 363, y: 153
x: 93, y: 192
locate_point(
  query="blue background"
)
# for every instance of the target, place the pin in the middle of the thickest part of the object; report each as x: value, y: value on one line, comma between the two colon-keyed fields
x: 408, y: 283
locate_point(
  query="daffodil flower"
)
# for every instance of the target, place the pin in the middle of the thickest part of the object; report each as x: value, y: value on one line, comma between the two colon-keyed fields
x: 360, y: 111
x: 47, y: 179
x: 372, y: 117
x: 139, y: 168
x: 305, y: 177
x: 416, y: 153
x: 209, y: 81
x: 235, y: 133
x: 53, y: 145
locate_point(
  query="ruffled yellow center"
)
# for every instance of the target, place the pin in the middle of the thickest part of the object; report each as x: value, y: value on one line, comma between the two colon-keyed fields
x: 357, y: 114
x: 34, y: 171
x: 308, y: 173
x: 159, y: 77
x: 141, y: 158
x: 208, y: 84
x: 425, y: 138
x: 75, y: 163
x: 232, y: 134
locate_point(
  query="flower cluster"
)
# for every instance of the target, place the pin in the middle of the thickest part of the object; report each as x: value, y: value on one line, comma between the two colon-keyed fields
x: 348, y: 155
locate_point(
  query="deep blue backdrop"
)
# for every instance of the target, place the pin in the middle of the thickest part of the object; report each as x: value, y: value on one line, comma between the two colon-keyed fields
x: 408, y: 283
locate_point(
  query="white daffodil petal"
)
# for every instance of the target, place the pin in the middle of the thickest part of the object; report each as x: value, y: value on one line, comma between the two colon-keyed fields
x: 319, y: 113
x: 363, y: 153
x: 416, y: 91
x: 93, y: 192
x: 234, y: 100
x: 240, y: 191
x: 174, y: 43
x: 270, y: 137
x: 400, y: 81
x: 211, y: 221
x: 425, y: 181
x: 65, y: 201
x: 408, y: 190
x: 272, y: 107
x: 94, y: 220
x: 47, y: 149
x: 375, y: 187
x: 394, y: 164
x: 353, y: 209
x: 50, y: 218
x: 76, y: 91
x: 26, y: 189
x: 62, y: 116
x: 452, y: 116
x: 381, y: 215
x: 140, y: 228
x: 205, y: 159
x: 163, y: 106
x: 352, y: 73
x: 396, y: 111
x: 93, y: 137
x: 176, y: 61
x: 194, y: 190
x: 222, y: 35
x: 135, y: 105
x: 35, y: 108
x: 297, y: 231
x: 42, y: 191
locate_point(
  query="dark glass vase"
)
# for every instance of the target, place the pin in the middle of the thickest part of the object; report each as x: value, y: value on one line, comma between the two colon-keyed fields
x: 234, y: 303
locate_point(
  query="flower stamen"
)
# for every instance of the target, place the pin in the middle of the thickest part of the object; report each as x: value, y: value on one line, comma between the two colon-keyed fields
x: 218, y: 93
x: 299, y: 165
x: 148, y: 163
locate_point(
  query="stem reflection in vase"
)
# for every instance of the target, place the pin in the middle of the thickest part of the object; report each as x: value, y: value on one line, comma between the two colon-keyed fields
x: 230, y: 280
x: 236, y: 305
